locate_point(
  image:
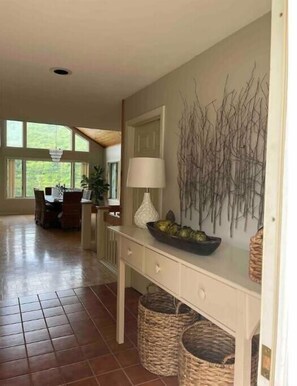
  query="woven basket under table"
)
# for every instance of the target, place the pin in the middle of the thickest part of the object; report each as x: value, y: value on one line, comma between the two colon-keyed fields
x: 205, y: 353
x: 161, y: 320
x: 256, y: 253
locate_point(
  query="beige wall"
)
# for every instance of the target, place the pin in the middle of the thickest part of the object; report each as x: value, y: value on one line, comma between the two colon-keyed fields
x: 234, y: 56
x: 26, y: 206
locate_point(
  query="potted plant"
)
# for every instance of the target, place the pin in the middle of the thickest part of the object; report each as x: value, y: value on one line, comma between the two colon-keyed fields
x: 96, y: 183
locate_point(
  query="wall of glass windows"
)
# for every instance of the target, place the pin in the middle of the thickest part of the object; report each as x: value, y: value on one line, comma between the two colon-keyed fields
x: 25, y: 162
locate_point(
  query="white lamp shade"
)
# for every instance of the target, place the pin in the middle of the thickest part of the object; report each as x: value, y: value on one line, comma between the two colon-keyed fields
x: 145, y: 172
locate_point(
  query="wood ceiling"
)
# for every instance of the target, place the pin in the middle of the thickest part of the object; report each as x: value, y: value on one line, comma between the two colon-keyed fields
x: 105, y: 138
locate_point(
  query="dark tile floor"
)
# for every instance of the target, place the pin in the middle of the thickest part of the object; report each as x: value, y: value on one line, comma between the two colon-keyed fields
x: 68, y: 338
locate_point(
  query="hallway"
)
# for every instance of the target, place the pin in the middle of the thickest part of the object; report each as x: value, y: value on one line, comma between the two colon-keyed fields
x: 58, y: 316
x: 36, y: 260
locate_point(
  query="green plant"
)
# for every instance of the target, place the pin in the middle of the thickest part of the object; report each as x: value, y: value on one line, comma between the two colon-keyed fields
x: 96, y: 183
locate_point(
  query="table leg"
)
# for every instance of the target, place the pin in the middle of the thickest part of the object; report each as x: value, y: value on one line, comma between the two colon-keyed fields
x: 121, y: 300
x: 243, y: 353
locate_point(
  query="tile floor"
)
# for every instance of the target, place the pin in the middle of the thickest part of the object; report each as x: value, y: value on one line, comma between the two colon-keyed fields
x: 67, y: 337
x: 36, y: 260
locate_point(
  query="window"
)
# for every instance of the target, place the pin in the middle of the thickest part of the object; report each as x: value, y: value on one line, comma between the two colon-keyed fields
x: 25, y: 175
x: 81, y: 144
x: 14, y: 134
x: 113, y: 179
x: 14, y: 178
x: 44, y: 136
x: 80, y: 168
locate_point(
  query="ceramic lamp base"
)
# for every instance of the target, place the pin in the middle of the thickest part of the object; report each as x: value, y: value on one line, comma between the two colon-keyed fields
x: 146, y: 212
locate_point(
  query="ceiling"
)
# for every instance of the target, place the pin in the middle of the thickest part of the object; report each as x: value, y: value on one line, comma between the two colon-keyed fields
x: 105, y: 138
x: 113, y: 47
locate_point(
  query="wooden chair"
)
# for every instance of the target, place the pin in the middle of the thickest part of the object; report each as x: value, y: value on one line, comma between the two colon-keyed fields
x: 48, y: 191
x: 46, y: 214
x: 70, y: 217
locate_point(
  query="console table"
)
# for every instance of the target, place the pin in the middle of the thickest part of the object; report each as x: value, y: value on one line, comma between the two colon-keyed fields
x: 216, y: 286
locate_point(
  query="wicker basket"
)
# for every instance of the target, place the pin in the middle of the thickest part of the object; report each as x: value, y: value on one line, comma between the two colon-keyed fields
x: 161, y: 320
x: 256, y: 252
x: 206, y: 356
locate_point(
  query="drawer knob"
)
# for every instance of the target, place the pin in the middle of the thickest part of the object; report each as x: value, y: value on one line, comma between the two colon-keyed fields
x: 129, y: 252
x: 157, y: 268
x: 202, y: 294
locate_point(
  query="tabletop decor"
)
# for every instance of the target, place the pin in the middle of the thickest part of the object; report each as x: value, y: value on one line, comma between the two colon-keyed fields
x: 184, y: 238
x: 145, y: 172
x: 256, y: 254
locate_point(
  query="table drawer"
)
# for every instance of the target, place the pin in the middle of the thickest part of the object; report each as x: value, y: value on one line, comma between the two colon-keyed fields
x: 210, y: 296
x: 132, y: 253
x: 162, y: 270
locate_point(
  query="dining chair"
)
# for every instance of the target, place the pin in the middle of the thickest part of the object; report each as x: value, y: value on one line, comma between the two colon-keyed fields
x: 48, y: 191
x: 46, y: 215
x: 70, y: 217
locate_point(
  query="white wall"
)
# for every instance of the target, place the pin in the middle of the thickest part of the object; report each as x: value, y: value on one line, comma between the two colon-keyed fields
x: 234, y: 56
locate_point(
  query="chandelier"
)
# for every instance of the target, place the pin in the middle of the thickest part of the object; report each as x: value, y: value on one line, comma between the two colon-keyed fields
x: 56, y: 154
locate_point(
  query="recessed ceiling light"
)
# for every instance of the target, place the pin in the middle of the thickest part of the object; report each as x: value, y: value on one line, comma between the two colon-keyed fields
x: 60, y: 71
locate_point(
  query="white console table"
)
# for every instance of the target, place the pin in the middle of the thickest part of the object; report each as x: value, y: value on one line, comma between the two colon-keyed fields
x: 216, y: 286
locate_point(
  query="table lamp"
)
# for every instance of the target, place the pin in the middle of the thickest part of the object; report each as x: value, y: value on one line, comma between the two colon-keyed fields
x: 144, y: 172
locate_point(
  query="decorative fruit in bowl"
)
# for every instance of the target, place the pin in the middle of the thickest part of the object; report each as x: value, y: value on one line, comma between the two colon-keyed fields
x: 185, y: 237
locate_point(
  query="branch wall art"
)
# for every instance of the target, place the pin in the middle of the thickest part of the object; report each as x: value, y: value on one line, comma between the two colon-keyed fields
x: 221, y: 156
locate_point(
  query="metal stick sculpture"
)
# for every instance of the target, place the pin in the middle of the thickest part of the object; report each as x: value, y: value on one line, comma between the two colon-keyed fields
x: 221, y: 161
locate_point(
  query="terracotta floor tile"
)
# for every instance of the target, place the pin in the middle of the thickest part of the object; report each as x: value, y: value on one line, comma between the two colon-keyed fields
x: 76, y: 371
x: 11, y: 329
x: 115, y: 347
x: 10, y: 319
x: 84, y: 337
x: 9, y: 310
x: 14, y: 368
x: 28, y: 299
x: 67, y: 357
x: 113, y: 287
x: 157, y: 382
x: 39, y: 348
x: 108, y: 332
x: 32, y: 315
x: 49, y: 377
x: 170, y: 381
x: 36, y: 336
x: 43, y: 362
x: 94, y: 350
x: 54, y: 321
x: 48, y: 296
x: 128, y: 357
x: 70, y: 308
x: 98, y: 312
x: 9, y: 302
x: 103, y: 364
x: 57, y: 332
x: 11, y: 340
x: 64, y: 342
x: 86, y: 382
x: 82, y: 290
x: 23, y: 380
x: 12, y: 353
x: 50, y: 303
x: 115, y: 378
x: 69, y: 300
x: 139, y: 374
x: 34, y: 325
x: 65, y: 293
x: 80, y: 315
x: 30, y: 307
x: 55, y: 311
x: 103, y: 321
x: 83, y: 325
x: 133, y: 337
